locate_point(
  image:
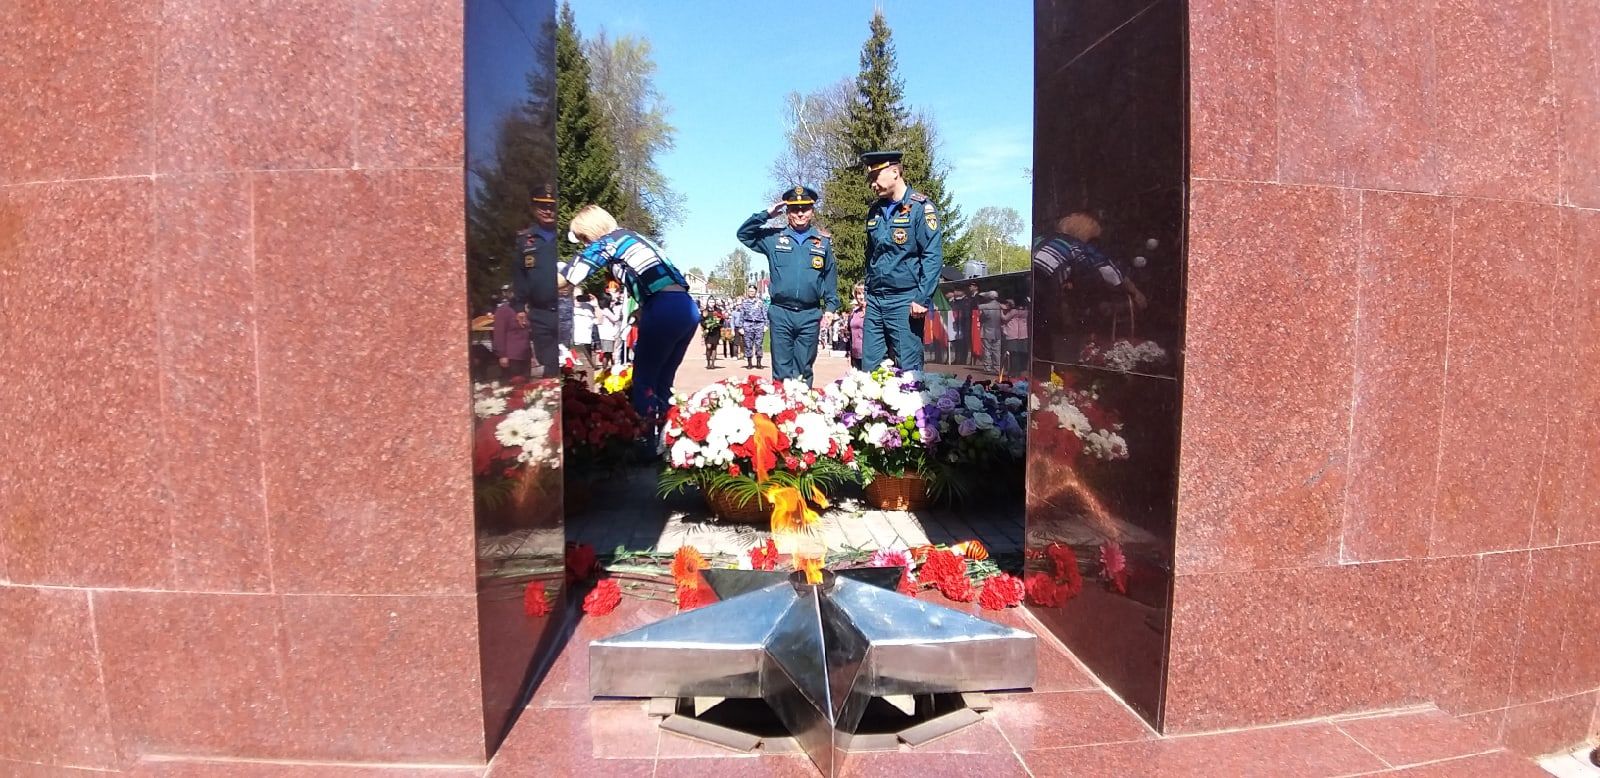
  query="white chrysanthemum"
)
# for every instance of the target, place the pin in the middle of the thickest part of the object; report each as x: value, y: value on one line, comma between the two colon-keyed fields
x: 489, y: 406
x: 901, y: 403
x: 813, y: 432
x: 683, y: 452
x: 875, y: 432
x: 1069, y: 417
x: 770, y: 404
x: 730, y: 424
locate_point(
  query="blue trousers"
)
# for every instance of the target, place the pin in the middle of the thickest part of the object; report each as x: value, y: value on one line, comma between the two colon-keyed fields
x: 667, y: 323
x: 794, y: 342
x: 888, y: 332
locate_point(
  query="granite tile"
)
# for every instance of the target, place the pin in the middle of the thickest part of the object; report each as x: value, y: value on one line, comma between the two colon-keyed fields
x: 872, y: 765
x: 77, y: 80
x: 1271, y: 630
x: 365, y: 420
x: 81, y: 494
x: 1499, y: 130
x: 510, y: 642
x: 753, y: 767
x: 200, y: 768
x: 1268, y: 369
x: 1552, y: 725
x: 1233, y: 110
x: 610, y: 740
x: 1317, y: 107
x: 1479, y: 677
x: 1059, y: 719
x: 1412, y: 738
x: 1303, y: 750
x: 1487, y: 725
x: 407, y: 687
x: 253, y: 86
x: 1570, y: 493
x: 1404, y: 294
x: 194, y: 674
x: 409, y: 96
x: 1498, y: 764
x: 206, y: 323
x: 1499, y: 380
x: 1577, y: 76
x: 51, y: 695
x: 567, y: 682
x: 1558, y: 654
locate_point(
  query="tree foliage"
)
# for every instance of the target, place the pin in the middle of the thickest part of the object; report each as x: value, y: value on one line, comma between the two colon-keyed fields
x: 731, y: 275
x: 996, y: 237
x: 522, y: 159
x: 586, y: 159
x: 877, y: 118
x: 815, y: 134
x: 632, y: 110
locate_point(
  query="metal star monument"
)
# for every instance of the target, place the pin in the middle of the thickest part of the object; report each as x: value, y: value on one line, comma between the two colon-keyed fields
x: 816, y: 653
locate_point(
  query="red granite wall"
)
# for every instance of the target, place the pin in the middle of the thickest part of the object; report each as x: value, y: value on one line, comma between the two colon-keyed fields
x: 235, y: 507
x: 1390, y: 468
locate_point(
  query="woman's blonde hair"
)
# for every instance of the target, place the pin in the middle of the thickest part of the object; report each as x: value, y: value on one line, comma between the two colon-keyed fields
x: 1079, y: 225
x: 591, y: 223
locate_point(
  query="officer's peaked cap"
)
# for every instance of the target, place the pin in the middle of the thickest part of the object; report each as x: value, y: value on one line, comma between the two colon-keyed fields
x: 874, y: 161
x: 800, y: 194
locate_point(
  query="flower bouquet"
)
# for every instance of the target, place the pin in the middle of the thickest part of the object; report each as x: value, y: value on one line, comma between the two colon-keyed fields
x: 982, y: 427
x: 615, y: 380
x: 599, y: 431
x: 725, y: 437
x: 1123, y: 354
x: 1090, y: 429
x: 885, y: 412
x: 516, y: 452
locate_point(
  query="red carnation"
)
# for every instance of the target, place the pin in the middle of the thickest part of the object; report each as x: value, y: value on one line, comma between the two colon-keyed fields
x: 1043, y: 592
x: 697, y: 426
x: 534, y: 602
x: 942, y: 565
x: 580, y: 562
x: 603, y: 598
x: 734, y: 470
x: 1066, y: 567
x: 691, y: 597
x: 958, y: 589
x: 764, y: 557
x: 1001, y: 592
x: 809, y: 458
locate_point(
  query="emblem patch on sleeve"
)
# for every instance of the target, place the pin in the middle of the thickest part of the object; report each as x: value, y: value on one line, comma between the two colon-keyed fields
x: 816, y: 262
x: 899, y: 236
x: 530, y: 260
x: 932, y: 220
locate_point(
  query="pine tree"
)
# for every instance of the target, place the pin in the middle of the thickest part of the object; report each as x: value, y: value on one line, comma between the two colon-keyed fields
x: 878, y: 119
x: 586, y: 161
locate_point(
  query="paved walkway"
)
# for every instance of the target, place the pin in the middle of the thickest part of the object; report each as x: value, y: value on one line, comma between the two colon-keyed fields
x: 693, y: 373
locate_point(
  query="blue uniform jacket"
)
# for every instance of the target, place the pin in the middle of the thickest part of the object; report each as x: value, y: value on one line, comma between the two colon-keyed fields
x: 803, y: 269
x: 905, y: 247
x: 533, y: 274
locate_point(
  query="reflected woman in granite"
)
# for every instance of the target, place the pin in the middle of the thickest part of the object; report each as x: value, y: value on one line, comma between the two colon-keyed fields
x: 668, y: 316
x: 1073, y: 276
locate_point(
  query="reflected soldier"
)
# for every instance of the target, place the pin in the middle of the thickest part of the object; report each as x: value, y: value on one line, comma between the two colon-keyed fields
x: 905, y: 252
x: 805, y: 280
x: 533, y: 278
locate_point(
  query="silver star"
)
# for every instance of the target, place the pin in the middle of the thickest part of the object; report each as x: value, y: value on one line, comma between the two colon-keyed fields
x: 816, y: 654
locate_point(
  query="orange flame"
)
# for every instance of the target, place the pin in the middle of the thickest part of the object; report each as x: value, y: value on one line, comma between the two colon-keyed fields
x: 792, y: 517
x: 765, y: 442
x: 811, y: 566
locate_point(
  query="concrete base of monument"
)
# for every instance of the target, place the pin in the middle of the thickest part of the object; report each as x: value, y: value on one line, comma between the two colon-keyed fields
x: 751, y: 726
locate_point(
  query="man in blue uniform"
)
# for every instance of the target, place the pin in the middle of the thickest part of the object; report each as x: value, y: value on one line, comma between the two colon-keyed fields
x: 805, y: 280
x: 751, y: 313
x: 905, y: 252
x: 533, y: 278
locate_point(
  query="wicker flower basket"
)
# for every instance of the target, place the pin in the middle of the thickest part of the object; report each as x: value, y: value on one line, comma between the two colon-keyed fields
x: 898, y: 493
x: 725, y: 506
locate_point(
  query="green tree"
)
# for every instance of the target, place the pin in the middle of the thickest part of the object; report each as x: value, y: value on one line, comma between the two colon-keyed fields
x: 622, y: 87
x: 877, y: 118
x: 586, y: 162
x: 731, y: 275
x: 996, y: 238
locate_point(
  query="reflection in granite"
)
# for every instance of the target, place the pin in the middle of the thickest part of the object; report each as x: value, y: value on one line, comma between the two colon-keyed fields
x: 510, y: 150
x: 1107, y: 333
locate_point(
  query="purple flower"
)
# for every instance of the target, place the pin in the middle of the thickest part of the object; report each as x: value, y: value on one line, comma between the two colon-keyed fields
x: 946, y: 404
x: 968, y: 426
x: 930, y: 435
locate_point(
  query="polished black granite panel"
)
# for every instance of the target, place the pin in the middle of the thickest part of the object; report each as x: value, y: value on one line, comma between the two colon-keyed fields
x: 510, y: 150
x: 1109, y: 202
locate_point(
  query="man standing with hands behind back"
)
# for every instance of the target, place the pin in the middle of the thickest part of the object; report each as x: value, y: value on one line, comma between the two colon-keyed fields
x: 905, y: 252
x: 804, y: 276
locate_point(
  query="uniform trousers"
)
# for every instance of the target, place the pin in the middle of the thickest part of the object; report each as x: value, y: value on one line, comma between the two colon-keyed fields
x: 794, y: 342
x: 889, y: 332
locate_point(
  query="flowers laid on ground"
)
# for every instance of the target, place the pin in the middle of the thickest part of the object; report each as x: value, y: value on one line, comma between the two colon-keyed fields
x: 600, y: 429
x: 1059, y: 581
x: 1124, y: 354
x: 1096, y: 428
x: 741, y: 436
x: 1001, y: 592
x: 516, y: 440
x: 603, y: 598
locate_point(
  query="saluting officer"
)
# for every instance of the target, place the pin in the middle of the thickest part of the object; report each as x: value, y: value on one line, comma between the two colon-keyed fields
x: 533, y: 278
x: 805, y: 279
x: 905, y: 252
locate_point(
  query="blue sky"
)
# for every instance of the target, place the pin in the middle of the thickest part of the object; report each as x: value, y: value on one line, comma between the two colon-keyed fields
x: 724, y: 68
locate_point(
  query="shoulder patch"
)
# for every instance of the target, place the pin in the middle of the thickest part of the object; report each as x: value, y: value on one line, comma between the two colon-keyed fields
x: 919, y: 197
